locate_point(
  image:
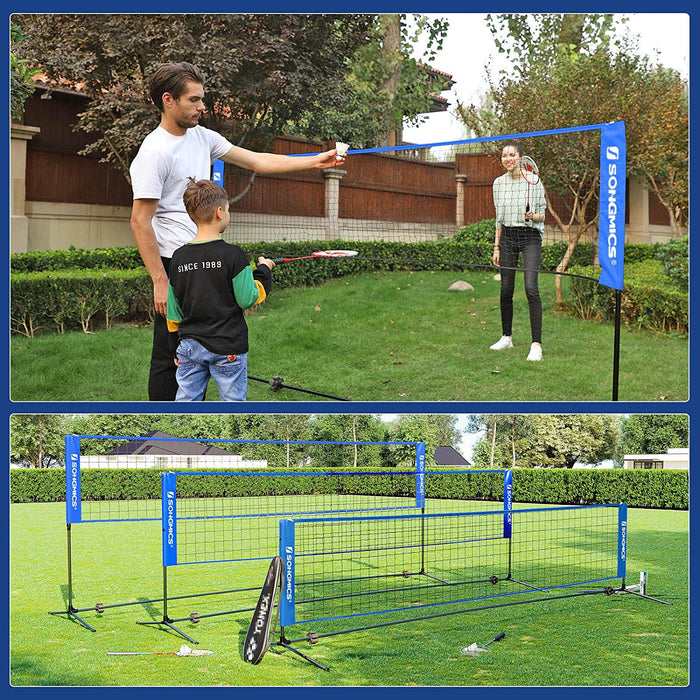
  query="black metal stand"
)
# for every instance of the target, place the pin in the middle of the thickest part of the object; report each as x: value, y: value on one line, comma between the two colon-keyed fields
x: 70, y: 609
x: 642, y: 595
x: 285, y: 643
x: 616, y: 345
x: 166, y: 621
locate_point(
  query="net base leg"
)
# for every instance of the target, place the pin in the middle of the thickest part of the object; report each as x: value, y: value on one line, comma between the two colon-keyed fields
x: 642, y: 595
x: 72, y: 615
x: 168, y: 623
x: 284, y: 644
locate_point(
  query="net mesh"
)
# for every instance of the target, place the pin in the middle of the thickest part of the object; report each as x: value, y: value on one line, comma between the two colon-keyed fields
x: 422, y: 193
x: 232, y: 514
x: 377, y: 565
x: 241, y: 525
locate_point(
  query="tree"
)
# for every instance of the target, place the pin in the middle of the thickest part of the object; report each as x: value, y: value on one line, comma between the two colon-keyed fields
x: 505, y: 438
x: 654, y: 434
x: 434, y: 430
x: 385, y: 83
x: 658, y: 141
x: 546, y: 440
x: 37, y: 440
x: 606, y: 79
x: 21, y: 75
x: 347, y: 428
x: 315, y: 76
x: 541, y: 39
x: 262, y: 70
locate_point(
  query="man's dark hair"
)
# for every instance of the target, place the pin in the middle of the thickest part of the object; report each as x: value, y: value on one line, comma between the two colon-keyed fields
x: 171, y: 77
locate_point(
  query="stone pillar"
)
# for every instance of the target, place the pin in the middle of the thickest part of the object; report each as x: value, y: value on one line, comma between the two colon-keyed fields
x: 333, y: 176
x: 19, y: 223
x: 459, y: 215
x: 638, y: 208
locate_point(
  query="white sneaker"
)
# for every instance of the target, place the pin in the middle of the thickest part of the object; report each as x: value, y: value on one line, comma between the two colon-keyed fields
x: 535, y: 353
x: 505, y: 342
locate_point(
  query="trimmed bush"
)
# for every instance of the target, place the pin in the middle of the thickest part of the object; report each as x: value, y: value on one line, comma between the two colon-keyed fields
x: 126, y: 258
x: 77, y: 299
x: 650, y: 299
x: 647, y: 488
x: 674, y: 257
x: 56, y: 291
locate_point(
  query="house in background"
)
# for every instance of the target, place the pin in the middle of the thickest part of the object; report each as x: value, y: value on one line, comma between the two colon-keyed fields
x: 449, y: 457
x: 164, y: 451
x: 675, y: 458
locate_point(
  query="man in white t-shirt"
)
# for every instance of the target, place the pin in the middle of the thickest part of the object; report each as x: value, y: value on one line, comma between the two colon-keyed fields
x: 176, y: 150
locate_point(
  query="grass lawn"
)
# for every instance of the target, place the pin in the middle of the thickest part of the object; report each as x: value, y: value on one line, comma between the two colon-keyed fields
x: 392, y: 336
x: 618, y: 640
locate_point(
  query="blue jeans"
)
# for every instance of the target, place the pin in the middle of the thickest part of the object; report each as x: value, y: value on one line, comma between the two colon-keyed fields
x: 196, y: 365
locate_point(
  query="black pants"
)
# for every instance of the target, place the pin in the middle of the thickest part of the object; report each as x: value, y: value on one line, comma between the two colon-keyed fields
x: 515, y: 241
x: 162, y: 385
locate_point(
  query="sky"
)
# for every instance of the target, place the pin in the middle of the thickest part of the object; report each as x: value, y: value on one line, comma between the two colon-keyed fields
x: 469, y: 48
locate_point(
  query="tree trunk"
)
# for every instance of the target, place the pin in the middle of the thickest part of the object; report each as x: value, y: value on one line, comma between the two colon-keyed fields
x: 561, y: 267
x: 493, y: 443
x: 391, y: 51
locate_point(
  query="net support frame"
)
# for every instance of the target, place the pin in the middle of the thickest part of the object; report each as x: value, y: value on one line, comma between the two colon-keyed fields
x: 170, y: 524
x: 76, y: 515
x: 615, y: 562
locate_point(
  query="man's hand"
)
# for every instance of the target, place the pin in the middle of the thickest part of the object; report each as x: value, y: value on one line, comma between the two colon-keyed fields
x: 142, y: 214
x: 330, y: 159
x: 160, y: 295
x: 266, y: 261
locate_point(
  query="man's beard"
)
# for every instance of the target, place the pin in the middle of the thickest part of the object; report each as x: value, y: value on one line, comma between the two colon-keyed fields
x: 192, y: 122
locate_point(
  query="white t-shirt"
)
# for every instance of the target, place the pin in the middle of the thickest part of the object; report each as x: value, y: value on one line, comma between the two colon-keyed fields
x: 160, y: 171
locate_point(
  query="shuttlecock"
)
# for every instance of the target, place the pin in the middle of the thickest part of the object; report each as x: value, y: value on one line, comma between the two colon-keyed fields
x: 184, y: 650
x: 342, y: 149
x: 471, y: 650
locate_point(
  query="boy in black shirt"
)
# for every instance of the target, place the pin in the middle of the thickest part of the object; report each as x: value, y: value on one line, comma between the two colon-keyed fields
x: 210, y: 285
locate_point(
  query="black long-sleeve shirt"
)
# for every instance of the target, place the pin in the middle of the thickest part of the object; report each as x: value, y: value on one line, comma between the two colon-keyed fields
x: 210, y: 284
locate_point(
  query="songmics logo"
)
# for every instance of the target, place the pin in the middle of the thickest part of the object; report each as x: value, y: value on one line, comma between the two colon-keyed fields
x: 612, y: 154
x: 170, y: 506
x: 623, y: 540
x: 289, y: 574
x: 74, y: 480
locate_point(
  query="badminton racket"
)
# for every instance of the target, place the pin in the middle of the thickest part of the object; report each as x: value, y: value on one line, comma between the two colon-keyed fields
x: 531, y: 173
x: 183, y: 651
x: 262, y: 626
x: 319, y: 254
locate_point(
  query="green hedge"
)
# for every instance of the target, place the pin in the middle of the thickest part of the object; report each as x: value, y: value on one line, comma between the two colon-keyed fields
x: 77, y: 299
x: 126, y: 258
x: 674, y: 257
x: 638, y: 488
x: 56, y: 291
x: 674, y: 254
x: 650, y: 299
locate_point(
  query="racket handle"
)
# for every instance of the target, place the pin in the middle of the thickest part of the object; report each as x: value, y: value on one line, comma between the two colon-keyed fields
x: 279, y: 261
x: 496, y: 638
